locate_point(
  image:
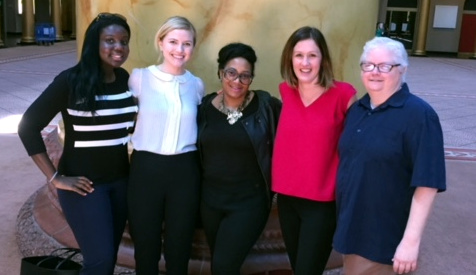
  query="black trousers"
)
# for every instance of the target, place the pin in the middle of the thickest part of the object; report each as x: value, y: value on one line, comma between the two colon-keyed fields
x: 307, y: 227
x: 232, y: 228
x: 163, y: 199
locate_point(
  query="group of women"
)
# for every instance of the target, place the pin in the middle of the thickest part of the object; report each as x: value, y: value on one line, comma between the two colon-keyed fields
x: 221, y: 157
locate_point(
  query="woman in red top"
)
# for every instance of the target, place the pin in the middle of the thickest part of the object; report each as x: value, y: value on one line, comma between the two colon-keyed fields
x: 305, y: 153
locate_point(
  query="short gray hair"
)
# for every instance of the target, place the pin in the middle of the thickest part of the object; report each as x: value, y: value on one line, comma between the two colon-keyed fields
x: 395, y: 47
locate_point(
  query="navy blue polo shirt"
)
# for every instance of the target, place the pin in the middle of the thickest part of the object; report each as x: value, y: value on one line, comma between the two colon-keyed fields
x: 385, y: 153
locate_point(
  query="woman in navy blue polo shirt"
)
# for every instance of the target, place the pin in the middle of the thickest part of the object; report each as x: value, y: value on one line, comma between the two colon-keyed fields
x: 391, y: 167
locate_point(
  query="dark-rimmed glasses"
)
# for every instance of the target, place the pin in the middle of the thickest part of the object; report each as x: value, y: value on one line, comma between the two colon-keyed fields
x: 104, y: 15
x: 381, y: 68
x: 231, y: 75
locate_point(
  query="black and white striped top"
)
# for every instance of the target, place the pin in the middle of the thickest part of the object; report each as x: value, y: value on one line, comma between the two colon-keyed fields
x: 95, y: 145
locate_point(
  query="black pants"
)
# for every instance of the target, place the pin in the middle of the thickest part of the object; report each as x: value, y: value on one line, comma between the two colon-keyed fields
x: 232, y: 228
x: 308, y: 227
x: 163, y: 194
x: 97, y: 221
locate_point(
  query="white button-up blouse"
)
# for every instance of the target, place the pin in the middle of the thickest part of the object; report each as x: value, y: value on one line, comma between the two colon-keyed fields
x: 166, y: 123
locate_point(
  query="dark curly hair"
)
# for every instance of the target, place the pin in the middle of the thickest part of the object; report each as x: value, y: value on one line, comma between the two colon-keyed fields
x: 234, y: 50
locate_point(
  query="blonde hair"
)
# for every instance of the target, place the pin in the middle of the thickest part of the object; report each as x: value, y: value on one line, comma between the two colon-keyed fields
x: 173, y: 23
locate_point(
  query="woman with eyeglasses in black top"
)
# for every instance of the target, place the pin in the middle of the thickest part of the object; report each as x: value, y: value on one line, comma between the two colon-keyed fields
x: 236, y: 135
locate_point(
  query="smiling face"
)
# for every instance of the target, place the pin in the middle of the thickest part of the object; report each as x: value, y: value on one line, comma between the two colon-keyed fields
x: 234, y: 89
x: 113, y: 46
x: 306, y: 61
x: 382, y: 83
x: 177, y: 48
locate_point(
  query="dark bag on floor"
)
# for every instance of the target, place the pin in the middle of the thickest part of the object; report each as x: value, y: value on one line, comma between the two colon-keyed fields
x: 57, y: 263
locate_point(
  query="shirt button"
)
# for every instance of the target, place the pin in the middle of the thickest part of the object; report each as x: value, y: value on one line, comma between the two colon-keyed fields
x: 358, y: 130
x: 369, y: 113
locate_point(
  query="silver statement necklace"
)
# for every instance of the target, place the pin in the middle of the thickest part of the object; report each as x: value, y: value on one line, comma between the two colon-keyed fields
x: 233, y: 115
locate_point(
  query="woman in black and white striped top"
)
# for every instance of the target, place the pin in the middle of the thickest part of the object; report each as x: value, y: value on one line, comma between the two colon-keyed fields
x: 98, y: 113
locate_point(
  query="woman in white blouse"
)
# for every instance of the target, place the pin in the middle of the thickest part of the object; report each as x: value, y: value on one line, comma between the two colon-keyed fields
x: 163, y: 193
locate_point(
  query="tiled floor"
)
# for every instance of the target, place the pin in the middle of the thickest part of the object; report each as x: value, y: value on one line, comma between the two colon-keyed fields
x: 25, y: 71
x: 449, y: 85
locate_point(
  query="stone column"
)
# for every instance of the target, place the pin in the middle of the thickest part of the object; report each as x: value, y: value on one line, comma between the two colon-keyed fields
x: 474, y: 49
x: 56, y: 16
x: 1, y: 20
x: 420, y: 38
x: 73, y: 19
x: 28, y: 22
x: 382, y: 11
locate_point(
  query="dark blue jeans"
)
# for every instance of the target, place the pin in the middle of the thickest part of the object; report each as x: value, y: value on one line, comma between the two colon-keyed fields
x: 307, y: 227
x: 163, y: 198
x: 97, y: 220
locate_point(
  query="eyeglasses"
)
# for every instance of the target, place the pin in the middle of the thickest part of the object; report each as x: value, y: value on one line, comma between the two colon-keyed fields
x: 381, y: 68
x: 231, y: 75
x: 104, y: 15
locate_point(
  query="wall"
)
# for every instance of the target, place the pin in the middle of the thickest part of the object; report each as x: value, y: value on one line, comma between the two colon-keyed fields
x: 42, y: 11
x: 468, y: 30
x: 440, y: 39
x: 468, y: 33
x: 264, y: 24
x: 13, y: 19
x: 66, y: 15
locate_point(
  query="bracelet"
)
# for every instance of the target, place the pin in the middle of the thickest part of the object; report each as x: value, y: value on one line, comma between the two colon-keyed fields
x: 53, y: 177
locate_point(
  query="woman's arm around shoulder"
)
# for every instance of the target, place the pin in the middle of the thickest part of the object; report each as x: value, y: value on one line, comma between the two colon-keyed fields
x: 200, y: 88
x: 352, y: 100
x: 273, y: 107
x: 349, y: 93
x: 276, y: 105
x: 135, y: 81
x: 122, y: 73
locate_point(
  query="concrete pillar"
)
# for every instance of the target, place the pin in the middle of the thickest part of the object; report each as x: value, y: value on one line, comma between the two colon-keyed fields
x: 474, y: 49
x: 1, y: 25
x: 73, y: 19
x: 382, y: 11
x: 56, y: 16
x: 420, y: 38
x: 28, y: 22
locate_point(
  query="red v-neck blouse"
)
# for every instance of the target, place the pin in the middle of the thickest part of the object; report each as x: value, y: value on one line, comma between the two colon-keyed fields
x: 305, y: 153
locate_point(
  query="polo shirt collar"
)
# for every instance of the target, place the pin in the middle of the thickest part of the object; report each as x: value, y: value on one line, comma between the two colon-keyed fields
x: 169, y: 77
x: 396, y: 100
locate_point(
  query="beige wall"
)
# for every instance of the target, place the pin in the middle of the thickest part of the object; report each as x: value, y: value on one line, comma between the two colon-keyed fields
x: 264, y: 24
x: 441, y: 39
